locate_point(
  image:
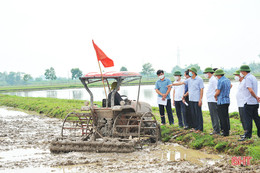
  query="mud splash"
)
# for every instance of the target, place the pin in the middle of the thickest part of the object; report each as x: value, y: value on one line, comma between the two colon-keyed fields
x: 25, y: 140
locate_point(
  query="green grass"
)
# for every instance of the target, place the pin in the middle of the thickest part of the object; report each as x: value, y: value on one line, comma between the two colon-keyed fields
x: 216, y: 143
x: 50, y: 107
x: 59, y: 108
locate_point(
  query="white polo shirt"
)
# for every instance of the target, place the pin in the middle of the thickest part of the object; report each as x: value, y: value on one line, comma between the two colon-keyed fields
x: 240, y: 93
x: 213, y: 83
x: 179, y: 91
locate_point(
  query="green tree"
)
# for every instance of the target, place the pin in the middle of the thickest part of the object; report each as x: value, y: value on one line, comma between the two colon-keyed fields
x: 27, y: 77
x: 177, y: 68
x: 13, y: 78
x: 75, y: 73
x: 123, y: 69
x: 10, y: 78
x: 196, y: 66
x: 147, y: 69
x: 50, y: 74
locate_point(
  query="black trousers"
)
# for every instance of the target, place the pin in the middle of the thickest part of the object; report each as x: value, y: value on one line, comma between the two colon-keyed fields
x: 224, y: 118
x: 196, y: 115
x: 168, y: 110
x: 179, y: 106
x: 251, y: 113
x: 187, y: 114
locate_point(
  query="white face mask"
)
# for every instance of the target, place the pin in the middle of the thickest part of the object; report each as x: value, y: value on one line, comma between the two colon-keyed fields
x: 161, y: 76
x: 176, y: 77
x: 236, y: 78
x: 217, y: 78
x: 241, y: 74
x: 206, y: 75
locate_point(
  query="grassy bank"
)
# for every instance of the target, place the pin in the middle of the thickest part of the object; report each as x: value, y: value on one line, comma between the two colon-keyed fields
x: 59, y: 108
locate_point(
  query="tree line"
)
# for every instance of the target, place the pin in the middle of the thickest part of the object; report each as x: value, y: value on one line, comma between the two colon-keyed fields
x: 20, y: 78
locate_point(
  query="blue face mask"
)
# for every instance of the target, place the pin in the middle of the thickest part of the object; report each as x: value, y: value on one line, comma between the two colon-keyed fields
x: 190, y: 74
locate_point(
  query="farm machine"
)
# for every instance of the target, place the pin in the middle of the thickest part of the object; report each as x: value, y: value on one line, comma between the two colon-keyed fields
x: 108, y: 128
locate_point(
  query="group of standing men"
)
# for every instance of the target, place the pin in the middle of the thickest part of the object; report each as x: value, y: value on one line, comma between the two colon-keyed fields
x: 188, y: 94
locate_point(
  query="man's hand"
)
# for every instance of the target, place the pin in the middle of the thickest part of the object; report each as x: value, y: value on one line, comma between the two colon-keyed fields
x: 164, y: 96
x: 200, y: 103
x: 258, y: 99
x: 173, y: 103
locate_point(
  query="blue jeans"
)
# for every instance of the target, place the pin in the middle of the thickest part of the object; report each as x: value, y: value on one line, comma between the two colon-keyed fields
x: 251, y: 113
x: 168, y: 110
x: 180, y: 113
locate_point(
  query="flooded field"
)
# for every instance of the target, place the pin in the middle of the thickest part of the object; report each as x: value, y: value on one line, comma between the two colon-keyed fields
x: 25, y: 139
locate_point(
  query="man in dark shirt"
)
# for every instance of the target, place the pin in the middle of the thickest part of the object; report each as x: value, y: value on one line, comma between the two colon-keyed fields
x: 117, y: 98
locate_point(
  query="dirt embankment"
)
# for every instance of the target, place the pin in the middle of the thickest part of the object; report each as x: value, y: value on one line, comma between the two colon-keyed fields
x: 25, y: 140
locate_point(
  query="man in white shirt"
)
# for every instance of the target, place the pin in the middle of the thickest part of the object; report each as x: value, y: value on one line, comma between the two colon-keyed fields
x: 241, y: 99
x: 251, y: 101
x: 178, y: 92
x: 212, y: 103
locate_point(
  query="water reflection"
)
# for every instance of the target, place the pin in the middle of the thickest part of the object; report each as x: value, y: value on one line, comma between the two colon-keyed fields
x: 147, y: 94
x: 26, y: 94
x: 52, y: 94
x: 77, y: 94
x: 175, y: 156
x: 176, y: 152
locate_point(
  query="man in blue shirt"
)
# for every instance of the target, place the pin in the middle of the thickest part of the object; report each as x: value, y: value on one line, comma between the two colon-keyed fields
x: 195, y: 92
x: 223, y: 100
x: 164, y: 99
x: 251, y: 102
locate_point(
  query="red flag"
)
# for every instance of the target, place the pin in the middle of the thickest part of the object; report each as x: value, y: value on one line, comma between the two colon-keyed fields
x: 101, y: 56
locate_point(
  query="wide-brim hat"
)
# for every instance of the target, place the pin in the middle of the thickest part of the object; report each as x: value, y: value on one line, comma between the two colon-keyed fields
x: 219, y: 72
x: 193, y: 69
x: 177, y: 73
x: 245, y: 68
x: 208, y: 70
x: 236, y: 72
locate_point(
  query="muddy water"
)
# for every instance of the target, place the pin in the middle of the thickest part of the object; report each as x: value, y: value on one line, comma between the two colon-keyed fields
x: 24, y: 147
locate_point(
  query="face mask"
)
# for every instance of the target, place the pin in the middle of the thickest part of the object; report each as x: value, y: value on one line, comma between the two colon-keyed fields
x: 217, y: 78
x: 241, y: 74
x: 206, y: 76
x: 176, y: 77
x: 236, y: 78
x: 161, y: 76
x: 190, y: 74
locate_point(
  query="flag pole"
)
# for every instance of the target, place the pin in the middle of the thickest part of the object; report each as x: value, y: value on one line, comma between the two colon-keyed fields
x: 102, y: 79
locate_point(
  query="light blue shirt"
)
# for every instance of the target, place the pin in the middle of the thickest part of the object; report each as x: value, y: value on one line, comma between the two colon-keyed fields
x: 250, y: 82
x: 224, y: 86
x: 194, y: 87
x: 162, y: 86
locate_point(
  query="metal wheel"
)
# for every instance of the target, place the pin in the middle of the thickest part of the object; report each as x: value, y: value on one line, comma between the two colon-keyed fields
x: 77, y: 125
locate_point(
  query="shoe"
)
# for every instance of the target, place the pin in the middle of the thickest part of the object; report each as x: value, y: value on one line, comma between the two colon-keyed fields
x: 222, y: 134
x: 213, y: 133
x: 243, y: 138
x: 162, y: 124
x: 186, y: 128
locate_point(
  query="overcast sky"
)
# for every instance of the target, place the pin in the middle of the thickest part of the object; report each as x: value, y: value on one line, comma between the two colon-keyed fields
x: 36, y: 35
